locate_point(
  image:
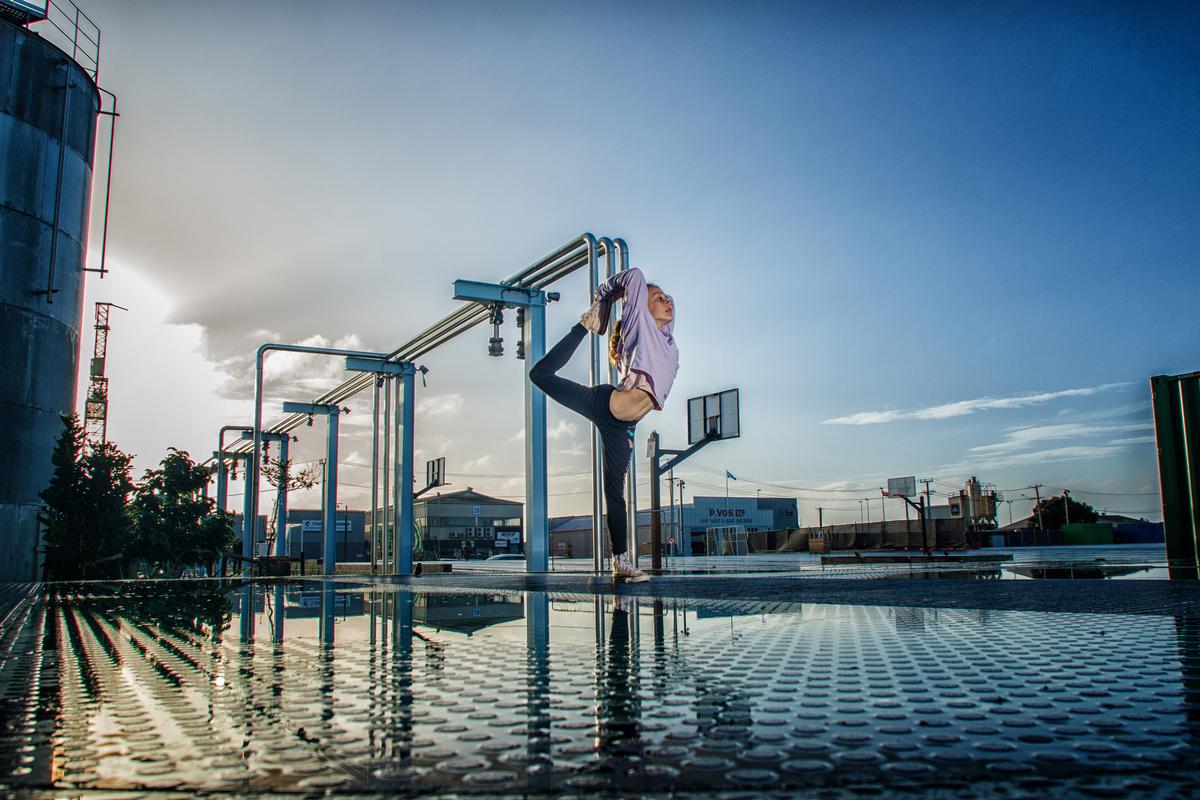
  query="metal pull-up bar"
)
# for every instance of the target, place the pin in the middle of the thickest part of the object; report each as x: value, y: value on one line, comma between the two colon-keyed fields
x: 581, y: 251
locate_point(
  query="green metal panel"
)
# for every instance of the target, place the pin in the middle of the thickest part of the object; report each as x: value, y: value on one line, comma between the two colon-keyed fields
x: 1088, y: 533
x: 1176, y: 400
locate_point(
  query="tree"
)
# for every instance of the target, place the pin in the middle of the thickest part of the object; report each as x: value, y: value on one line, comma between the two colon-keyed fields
x: 87, y: 524
x: 278, y: 474
x: 1054, y: 514
x: 175, y: 524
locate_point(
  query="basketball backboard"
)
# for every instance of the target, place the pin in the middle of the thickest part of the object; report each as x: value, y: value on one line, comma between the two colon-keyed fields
x: 435, y: 472
x: 714, y: 414
x: 902, y: 487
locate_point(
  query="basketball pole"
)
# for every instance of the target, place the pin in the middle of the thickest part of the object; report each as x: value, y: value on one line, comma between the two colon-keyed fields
x: 657, y: 468
x: 920, y: 509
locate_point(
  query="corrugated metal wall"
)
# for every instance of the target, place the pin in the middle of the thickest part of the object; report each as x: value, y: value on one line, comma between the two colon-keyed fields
x: 39, y: 340
x: 1176, y: 401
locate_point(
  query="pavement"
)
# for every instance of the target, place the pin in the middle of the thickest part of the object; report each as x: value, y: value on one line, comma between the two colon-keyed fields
x: 943, y: 685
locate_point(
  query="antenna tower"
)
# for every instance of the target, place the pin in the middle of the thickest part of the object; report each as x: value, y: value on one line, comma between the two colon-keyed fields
x: 95, y: 409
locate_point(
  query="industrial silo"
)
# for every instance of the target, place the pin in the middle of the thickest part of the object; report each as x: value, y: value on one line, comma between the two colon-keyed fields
x: 48, y: 109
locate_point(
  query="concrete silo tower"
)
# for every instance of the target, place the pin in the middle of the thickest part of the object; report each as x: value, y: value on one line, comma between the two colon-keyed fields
x: 49, y: 103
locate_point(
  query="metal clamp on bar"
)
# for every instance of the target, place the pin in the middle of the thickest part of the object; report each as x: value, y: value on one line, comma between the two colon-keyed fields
x: 378, y: 366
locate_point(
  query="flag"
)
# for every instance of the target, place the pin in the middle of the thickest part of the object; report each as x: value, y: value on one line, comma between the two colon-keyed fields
x: 729, y: 474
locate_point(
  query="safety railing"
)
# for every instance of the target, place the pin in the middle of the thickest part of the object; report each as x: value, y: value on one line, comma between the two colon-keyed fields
x: 73, y: 32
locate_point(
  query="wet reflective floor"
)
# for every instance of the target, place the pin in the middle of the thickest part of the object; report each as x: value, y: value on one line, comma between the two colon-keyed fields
x: 179, y: 688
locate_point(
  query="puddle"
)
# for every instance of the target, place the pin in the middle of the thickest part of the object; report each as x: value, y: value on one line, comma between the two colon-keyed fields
x: 190, y: 686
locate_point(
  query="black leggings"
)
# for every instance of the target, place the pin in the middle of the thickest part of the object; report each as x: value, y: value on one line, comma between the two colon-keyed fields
x: 615, y: 436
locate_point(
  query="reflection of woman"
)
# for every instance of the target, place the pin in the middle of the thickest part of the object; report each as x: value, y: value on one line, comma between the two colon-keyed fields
x: 620, y: 709
x: 643, y: 350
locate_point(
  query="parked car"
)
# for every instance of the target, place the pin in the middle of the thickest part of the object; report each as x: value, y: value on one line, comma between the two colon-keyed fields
x: 507, y: 557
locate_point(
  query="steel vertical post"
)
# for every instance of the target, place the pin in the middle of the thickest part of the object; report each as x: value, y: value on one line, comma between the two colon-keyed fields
x: 331, y: 472
x: 222, y: 482
x: 537, y: 526
x: 282, y: 494
x: 249, y: 518
x: 597, y: 374
x: 404, y: 476
x: 375, y: 481
x: 385, y: 540
x: 622, y: 253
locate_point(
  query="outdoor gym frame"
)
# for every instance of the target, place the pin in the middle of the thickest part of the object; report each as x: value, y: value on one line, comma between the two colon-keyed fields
x: 584, y: 250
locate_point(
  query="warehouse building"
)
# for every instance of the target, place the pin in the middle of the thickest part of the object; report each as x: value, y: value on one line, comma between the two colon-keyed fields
x: 571, y: 537
x: 468, y: 524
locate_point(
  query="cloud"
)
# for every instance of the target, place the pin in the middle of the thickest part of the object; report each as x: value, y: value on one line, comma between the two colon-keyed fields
x: 482, y: 462
x: 288, y: 372
x: 563, y: 428
x: 962, y: 408
x: 1071, y: 453
x: 1024, y: 438
x: 1133, y: 440
x: 440, y: 405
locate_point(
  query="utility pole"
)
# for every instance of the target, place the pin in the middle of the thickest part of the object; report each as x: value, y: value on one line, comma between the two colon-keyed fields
x: 820, y: 517
x: 1066, y: 508
x: 674, y: 519
x: 679, y: 532
x: 928, y: 499
x: 1037, y: 503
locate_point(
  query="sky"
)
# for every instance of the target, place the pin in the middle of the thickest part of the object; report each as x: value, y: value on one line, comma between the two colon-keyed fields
x: 928, y: 239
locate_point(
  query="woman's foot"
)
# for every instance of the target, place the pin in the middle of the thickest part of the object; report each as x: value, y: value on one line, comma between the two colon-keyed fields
x: 624, y: 571
x: 595, y: 319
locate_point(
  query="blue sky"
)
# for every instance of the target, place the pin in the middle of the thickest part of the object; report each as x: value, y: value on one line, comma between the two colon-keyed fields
x: 970, y: 225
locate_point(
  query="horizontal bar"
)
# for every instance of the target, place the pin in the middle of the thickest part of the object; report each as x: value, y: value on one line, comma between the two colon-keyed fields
x: 544, y: 271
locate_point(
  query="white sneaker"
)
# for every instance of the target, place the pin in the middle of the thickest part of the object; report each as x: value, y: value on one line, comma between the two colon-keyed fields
x: 595, y: 319
x: 625, y: 572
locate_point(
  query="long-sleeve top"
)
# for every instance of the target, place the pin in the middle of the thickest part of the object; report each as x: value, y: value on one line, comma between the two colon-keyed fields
x: 645, y: 348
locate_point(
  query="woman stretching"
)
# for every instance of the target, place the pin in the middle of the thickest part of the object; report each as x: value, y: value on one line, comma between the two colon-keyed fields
x: 643, y: 350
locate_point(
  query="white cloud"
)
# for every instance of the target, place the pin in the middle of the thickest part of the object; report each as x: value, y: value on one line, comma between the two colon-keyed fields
x: 1024, y: 438
x: 1133, y: 440
x: 962, y: 408
x: 482, y: 462
x: 563, y: 428
x: 1071, y: 453
x: 440, y: 405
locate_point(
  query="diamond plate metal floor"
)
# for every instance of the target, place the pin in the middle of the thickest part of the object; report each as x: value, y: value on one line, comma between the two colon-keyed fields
x: 182, y: 688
